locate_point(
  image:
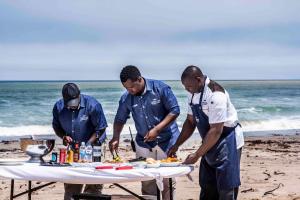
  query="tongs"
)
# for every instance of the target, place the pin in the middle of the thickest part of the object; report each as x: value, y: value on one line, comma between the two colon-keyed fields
x: 137, y: 159
x: 132, y: 141
x: 115, y: 157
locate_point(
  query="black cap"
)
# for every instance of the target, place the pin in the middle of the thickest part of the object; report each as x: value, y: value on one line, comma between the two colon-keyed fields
x: 71, y: 93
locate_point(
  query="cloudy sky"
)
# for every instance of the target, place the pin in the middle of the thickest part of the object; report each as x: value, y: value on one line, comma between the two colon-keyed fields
x: 93, y: 40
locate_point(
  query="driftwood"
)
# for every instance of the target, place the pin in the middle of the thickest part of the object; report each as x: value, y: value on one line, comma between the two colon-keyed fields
x: 278, y: 173
x: 282, y: 151
x: 247, y: 190
x: 269, y: 175
x: 271, y: 191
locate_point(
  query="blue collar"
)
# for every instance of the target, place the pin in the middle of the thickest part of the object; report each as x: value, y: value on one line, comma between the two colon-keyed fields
x: 82, y: 101
x: 148, y: 85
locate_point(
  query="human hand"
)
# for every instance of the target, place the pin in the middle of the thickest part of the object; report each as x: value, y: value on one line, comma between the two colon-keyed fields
x: 113, y: 144
x: 151, y: 135
x: 191, y: 159
x: 172, y: 151
x: 67, y: 140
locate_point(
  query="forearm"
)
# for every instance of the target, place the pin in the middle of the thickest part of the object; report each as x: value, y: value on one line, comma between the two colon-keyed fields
x: 117, y: 129
x: 94, y: 136
x: 59, y: 132
x: 209, y: 141
x: 166, y: 121
x: 186, y: 132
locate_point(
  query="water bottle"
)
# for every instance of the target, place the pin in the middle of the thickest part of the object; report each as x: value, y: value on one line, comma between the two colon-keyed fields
x: 82, y: 152
x: 89, y: 153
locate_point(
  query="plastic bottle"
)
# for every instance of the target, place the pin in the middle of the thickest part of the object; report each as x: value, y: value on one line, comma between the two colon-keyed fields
x: 76, y: 153
x: 82, y: 152
x: 70, y: 154
x: 97, y: 150
x: 89, y: 153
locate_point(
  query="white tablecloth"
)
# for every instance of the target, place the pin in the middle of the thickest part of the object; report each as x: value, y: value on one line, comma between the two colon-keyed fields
x: 84, y: 175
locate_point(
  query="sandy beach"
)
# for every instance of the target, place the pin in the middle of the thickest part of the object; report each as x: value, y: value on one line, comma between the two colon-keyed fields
x: 269, y: 170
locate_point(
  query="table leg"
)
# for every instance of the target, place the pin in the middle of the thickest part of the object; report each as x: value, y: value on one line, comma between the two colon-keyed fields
x: 12, y: 186
x: 157, y: 193
x: 130, y: 192
x: 171, y: 188
x: 29, y: 190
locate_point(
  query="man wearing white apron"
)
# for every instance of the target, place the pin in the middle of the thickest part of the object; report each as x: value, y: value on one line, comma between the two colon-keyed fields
x: 211, y: 111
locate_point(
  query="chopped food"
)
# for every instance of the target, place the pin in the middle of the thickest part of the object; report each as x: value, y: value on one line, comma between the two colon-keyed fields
x: 151, y: 161
x: 169, y: 160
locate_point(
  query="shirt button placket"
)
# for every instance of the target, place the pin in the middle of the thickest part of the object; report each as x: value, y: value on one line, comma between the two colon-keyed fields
x: 73, y: 131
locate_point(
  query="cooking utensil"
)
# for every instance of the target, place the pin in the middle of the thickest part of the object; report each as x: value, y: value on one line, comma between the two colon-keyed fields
x: 132, y: 141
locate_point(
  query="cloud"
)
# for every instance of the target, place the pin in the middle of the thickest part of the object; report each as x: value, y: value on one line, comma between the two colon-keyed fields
x: 69, y: 39
x: 138, y: 20
x: 165, y: 61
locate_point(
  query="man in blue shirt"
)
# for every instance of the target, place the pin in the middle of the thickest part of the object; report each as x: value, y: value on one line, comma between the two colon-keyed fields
x: 154, y: 109
x: 78, y: 117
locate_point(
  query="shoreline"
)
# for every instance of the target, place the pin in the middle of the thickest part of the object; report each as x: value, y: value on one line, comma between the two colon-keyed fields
x: 125, y: 134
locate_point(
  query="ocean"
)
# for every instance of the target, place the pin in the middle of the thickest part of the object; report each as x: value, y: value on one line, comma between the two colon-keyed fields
x: 263, y: 106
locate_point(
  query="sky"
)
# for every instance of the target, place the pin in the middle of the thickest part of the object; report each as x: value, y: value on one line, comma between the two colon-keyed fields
x: 93, y: 40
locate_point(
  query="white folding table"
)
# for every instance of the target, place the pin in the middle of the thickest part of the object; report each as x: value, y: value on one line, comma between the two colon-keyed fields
x: 87, y: 175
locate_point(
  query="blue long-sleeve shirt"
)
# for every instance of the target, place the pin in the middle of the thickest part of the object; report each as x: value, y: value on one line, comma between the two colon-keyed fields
x: 148, y: 110
x: 79, y: 124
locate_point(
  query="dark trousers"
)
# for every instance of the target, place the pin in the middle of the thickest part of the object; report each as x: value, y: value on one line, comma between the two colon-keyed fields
x: 211, y: 192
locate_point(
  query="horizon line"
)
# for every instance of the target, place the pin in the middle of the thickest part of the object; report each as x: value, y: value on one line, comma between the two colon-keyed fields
x: 115, y: 80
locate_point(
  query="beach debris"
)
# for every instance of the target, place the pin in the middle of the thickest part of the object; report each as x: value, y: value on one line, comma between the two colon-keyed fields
x: 111, y: 186
x: 282, y: 151
x: 247, y: 190
x: 268, y: 174
x: 279, y: 173
x: 271, y: 191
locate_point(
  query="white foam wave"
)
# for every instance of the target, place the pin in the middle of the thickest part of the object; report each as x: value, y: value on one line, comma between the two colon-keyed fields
x: 251, y: 110
x: 34, y: 130
x: 25, y: 130
x: 11, y: 133
x: 273, y: 124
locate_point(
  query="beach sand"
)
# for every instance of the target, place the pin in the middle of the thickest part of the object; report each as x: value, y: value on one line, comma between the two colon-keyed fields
x: 270, y: 169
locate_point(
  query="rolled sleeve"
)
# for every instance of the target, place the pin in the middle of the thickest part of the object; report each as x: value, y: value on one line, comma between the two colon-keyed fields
x: 98, y: 118
x: 189, y: 109
x: 217, y: 108
x: 122, y: 113
x: 170, y: 101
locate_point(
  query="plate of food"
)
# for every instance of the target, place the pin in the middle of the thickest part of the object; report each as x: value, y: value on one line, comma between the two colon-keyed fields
x: 170, y: 162
x: 151, y: 163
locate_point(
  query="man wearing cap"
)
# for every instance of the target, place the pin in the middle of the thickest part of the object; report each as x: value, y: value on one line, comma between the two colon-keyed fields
x: 211, y: 111
x: 154, y: 109
x: 78, y: 118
